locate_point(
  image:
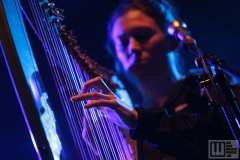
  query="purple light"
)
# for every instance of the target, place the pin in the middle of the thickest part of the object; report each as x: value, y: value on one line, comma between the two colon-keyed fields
x: 180, y: 36
x: 171, y: 30
x: 21, y: 106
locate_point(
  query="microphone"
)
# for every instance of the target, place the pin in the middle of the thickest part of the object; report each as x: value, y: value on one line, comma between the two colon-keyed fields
x: 179, y: 31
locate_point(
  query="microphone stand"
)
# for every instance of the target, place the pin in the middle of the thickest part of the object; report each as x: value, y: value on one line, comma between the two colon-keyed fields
x: 217, y: 79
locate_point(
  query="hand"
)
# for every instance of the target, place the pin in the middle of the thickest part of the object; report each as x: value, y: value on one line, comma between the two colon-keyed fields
x: 125, y: 116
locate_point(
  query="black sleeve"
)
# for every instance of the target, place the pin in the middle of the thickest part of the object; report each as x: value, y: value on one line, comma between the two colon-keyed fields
x: 184, y: 134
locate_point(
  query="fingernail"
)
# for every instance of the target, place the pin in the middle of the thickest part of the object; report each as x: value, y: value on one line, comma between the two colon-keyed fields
x: 72, y: 98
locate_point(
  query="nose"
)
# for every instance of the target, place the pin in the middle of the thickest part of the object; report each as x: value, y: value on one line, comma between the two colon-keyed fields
x: 134, y: 46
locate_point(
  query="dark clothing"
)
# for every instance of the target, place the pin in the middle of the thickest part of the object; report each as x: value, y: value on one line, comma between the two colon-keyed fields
x: 183, y: 126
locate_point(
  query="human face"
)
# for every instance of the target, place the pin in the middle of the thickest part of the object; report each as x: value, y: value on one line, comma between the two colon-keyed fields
x: 140, y: 44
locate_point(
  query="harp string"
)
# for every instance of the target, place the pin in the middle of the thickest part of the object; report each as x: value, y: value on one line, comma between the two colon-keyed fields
x: 69, y: 78
x: 49, y: 113
x: 75, y: 110
x: 54, y: 63
x: 92, y: 134
x: 103, y: 127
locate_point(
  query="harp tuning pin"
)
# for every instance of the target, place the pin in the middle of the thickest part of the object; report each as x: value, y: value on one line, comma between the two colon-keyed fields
x: 51, y: 5
x: 59, y: 19
x: 63, y: 27
x: 86, y: 57
x: 44, y: 3
x: 77, y: 48
x: 52, y: 19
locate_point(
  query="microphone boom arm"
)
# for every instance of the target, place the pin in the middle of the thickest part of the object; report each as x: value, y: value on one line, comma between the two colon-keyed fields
x: 216, y: 76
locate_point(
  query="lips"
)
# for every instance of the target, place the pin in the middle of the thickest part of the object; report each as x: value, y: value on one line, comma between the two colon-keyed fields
x: 141, y: 61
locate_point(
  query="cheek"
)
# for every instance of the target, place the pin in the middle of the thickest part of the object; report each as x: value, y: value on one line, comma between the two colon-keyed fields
x: 123, y: 60
x: 126, y: 62
x: 158, y: 47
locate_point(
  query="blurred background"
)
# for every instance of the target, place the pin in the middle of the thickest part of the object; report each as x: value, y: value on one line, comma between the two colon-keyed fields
x: 215, y: 25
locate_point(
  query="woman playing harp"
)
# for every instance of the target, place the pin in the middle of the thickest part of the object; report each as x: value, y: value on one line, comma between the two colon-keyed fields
x: 174, y: 116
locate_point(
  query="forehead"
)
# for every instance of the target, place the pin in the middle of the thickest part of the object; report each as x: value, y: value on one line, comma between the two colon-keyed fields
x: 131, y: 21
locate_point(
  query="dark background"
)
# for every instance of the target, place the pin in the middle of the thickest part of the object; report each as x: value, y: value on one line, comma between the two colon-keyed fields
x: 214, y: 24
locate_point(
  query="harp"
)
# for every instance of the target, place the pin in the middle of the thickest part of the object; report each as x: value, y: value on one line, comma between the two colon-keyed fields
x: 59, y: 128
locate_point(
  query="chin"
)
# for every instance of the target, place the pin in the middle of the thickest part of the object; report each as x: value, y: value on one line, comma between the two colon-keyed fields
x: 142, y: 75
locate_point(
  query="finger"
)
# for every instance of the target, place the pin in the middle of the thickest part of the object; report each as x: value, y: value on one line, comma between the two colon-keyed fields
x: 99, y: 103
x: 90, y: 96
x: 92, y: 83
x: 96, y: 83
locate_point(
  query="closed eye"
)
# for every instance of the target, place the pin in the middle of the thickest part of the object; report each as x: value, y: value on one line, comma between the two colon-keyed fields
x: 142, y: 35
